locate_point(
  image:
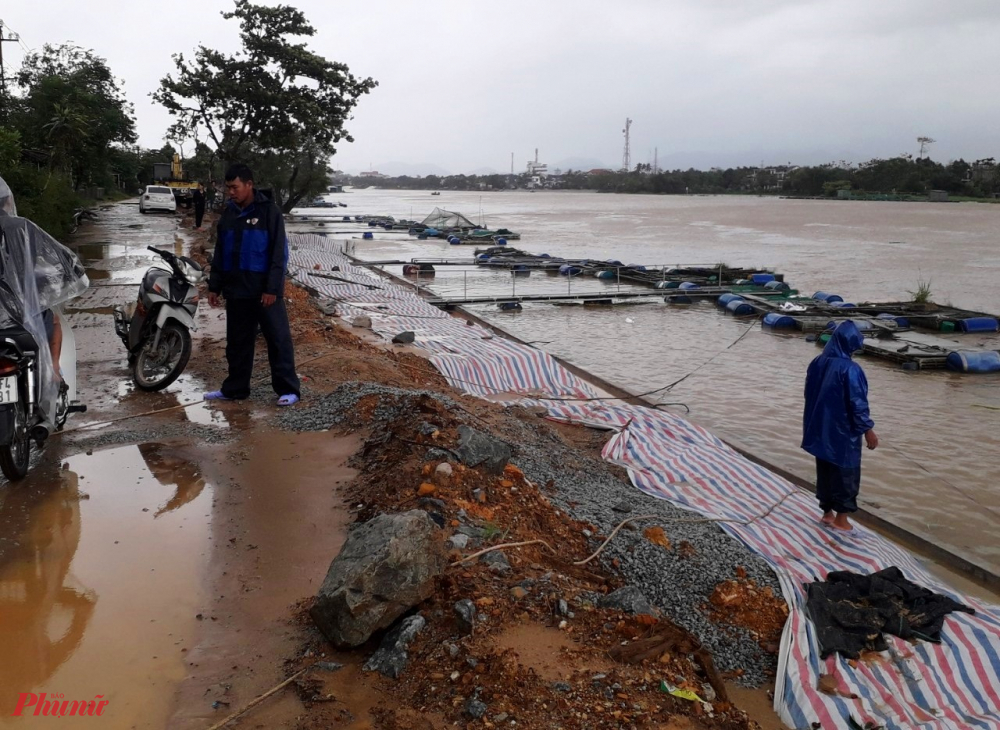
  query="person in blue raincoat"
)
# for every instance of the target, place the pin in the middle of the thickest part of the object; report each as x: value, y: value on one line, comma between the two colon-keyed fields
x: 836, y: 417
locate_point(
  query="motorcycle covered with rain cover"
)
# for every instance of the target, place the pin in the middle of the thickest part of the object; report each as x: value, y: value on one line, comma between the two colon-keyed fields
x: 37, y: 276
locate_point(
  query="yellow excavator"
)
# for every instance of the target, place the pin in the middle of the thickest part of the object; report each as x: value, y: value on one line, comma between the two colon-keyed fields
x: 173, y: 176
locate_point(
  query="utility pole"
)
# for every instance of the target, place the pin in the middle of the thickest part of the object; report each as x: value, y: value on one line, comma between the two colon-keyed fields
x: 627, y: 155
x: 656, y: 161
x: 11, y: 38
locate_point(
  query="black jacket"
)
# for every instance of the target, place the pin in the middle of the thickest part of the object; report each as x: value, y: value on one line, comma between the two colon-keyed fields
x: 251, y: 251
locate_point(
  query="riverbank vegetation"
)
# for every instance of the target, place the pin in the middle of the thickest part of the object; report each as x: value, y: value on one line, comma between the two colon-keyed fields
x: 895, y: 178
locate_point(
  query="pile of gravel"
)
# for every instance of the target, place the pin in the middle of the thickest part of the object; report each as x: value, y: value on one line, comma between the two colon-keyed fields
x: 338, y: 407
x: 678, y: 583
x: 589, y: 490
x: 199, y: 433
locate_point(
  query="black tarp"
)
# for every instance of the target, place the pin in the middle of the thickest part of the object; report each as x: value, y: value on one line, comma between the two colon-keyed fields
x: 853, y: 611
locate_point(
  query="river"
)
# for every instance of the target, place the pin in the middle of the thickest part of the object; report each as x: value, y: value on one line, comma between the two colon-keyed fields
x: 935, y: 472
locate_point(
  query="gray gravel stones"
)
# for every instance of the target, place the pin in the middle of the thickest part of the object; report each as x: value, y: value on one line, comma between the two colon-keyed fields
x: 477, y: 448
x: 390, y: 658
x: 630, y: 600
x: 497, y: 561
x: 677, y: 582
x: 475, y: 708
x: 466, y: 612
x: 458, y: 541
x: 340, y: 407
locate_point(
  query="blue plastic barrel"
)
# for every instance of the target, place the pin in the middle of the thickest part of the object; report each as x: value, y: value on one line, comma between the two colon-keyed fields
x: 688, y: 286
x: 501, y: 242
x: 973, y: 361
x: 420, y: 236
x: 613, y: 262
x: 368, y: 234
x: 483, y: 257
x: 740, y: 308
x: 544, y: 256
x: 761, y: 278
x: 346, y: 219
x: 606, y: 274
x: 828, y: 298
x: 779, y: 321
x: 978, y: 324
x: 569, y: 270
x: 724, y: 299
x: 678, y: 299
x: 388, y: 226
x: 776, y: 286
x: 509, y: 306
x: 455, y: 241
x: 842, y: 304
x: 637, y: 267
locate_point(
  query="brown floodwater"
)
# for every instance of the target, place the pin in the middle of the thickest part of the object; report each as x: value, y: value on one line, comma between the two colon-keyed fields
x: 935, y: 472
x: 101, y: 569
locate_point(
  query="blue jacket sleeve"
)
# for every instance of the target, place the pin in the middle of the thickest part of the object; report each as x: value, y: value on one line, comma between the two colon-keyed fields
x: 279, y: 253
x: 857, y: 401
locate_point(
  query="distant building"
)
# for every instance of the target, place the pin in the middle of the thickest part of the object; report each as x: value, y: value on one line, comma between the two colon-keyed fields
x: 371, y: 173
x: 600, y: 171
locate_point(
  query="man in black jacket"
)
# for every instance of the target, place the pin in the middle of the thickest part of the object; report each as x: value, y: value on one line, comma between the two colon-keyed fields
x: 248, y: 270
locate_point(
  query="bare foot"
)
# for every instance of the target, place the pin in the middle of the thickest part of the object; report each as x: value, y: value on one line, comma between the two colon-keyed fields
x: 828, y: 517
x: 841, y: 523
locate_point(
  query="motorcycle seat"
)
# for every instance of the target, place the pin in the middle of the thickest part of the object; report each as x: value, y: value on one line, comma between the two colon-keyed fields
x: 22, y: 337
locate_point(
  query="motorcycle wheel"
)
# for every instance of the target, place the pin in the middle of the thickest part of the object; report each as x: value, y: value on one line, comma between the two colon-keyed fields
x: 15, y: 456
x: 156, y: 369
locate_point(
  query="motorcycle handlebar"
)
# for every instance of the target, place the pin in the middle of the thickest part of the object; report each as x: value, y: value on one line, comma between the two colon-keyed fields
x: 164, y: 254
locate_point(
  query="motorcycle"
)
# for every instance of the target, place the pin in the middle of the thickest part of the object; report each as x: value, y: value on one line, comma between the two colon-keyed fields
x: 22, y: 414
x: 156, y: 328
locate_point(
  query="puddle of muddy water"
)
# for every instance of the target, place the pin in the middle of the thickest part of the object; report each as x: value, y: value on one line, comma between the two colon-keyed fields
x: 101, y: 567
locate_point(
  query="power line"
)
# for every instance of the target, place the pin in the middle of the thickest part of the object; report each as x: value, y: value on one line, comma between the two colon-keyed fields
x: 12, y: 37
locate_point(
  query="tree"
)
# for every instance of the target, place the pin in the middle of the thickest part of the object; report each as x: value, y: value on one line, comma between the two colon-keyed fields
x: 74, y: 110
x: 273, y: 99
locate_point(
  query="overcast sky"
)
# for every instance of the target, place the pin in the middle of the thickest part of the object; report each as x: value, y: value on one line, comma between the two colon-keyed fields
x: 464, y: 83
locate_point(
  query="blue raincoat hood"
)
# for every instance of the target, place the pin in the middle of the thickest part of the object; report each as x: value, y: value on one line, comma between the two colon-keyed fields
x: 845, y: 341
x: 836, y: 410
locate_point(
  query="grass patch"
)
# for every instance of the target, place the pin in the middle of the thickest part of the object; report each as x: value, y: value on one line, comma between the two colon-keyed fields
x: 922, y: 294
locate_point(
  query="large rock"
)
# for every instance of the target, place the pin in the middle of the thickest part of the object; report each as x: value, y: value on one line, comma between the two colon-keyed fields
x: 630, y: 600
x: 476, y: 447
x: 391, y: 657
x: 386, y: 566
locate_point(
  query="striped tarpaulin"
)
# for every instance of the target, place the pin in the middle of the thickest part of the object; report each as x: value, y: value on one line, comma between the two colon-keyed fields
x: 954, y: 684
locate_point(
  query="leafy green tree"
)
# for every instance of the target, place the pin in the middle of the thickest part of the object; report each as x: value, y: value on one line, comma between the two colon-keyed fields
x: 73, y: 109
x: 274, y: 98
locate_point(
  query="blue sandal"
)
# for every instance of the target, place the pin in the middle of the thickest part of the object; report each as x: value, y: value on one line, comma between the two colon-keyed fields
x: 288, y: 400
x: 216, y: 395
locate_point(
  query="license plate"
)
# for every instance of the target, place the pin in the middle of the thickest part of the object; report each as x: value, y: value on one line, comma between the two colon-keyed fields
x: 8, y: 389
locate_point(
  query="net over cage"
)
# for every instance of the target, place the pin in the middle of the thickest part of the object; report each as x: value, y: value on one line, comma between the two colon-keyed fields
x: 441, y: 219
x: 37, y: 275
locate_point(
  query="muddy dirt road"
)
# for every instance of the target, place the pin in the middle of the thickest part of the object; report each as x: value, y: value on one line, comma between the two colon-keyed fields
x: 108, y: 548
